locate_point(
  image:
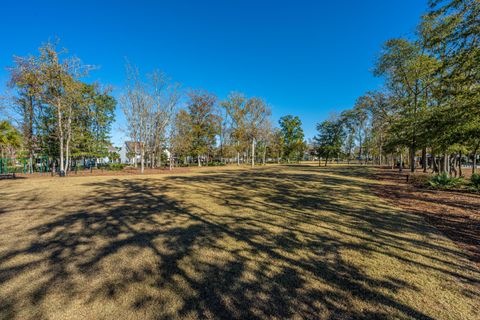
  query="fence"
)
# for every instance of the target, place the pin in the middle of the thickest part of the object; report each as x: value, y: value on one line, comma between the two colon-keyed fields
x: 24, y: 165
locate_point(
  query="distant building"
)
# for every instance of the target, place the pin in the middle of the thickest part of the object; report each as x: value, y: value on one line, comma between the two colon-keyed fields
x: 109, y: 159
x: 130, y: 153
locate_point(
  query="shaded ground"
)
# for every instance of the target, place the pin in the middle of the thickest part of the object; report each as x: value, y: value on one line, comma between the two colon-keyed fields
x: 103, y: 172
x: 130, y: 171
x: 277, y: 242
x: 456, y: 214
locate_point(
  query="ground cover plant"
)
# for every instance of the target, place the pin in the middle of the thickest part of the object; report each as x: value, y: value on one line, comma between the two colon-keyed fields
x: 443, y: 181
x: 475, y: 180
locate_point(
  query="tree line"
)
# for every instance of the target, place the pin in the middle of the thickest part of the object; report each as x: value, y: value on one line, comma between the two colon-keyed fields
x: 206, y: 130
x: 428, y: 112
x: 61, y: 117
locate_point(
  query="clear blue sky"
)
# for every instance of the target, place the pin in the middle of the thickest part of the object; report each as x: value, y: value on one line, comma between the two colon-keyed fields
x: 306, y: 58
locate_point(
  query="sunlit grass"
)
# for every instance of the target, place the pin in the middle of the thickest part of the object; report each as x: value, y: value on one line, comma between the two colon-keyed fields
x: 274, y: 242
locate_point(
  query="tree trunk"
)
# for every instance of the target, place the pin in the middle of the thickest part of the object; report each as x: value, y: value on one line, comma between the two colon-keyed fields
x: 434, y: 164
x: 412, y: 158
x: 424, y: 159
x: 474, y: 164
x: 238, y: 158
x: 253, y: 153
x: 135, y: 148
x: 445, y: 164
x: 380, y: 160
x: 61, y: 136
x: 69, y: 138
x: 400, y: 165
x: 198, y: 160
x: 360, y: 149
x: 460, y: 173
x: 414, y: 141
x: 30, y: 133
x: 452, y: 166
x: 142, y: 159
x: 67, y: 156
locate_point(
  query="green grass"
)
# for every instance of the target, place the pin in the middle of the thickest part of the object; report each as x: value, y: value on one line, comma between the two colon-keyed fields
x: 297, y: 242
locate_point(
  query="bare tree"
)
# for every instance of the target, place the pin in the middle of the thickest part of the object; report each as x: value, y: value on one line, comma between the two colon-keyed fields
x: 149, y: 108
x: 265, y: 138
x: 235, y: 107
x: 165, y: 97
x: 137, y: 105
x: 256, y: 116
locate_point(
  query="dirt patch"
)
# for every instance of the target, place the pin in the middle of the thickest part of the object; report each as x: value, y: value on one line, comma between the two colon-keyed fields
x: 456, y: 214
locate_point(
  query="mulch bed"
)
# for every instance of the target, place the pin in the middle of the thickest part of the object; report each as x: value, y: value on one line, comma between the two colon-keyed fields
x: 456, y: 214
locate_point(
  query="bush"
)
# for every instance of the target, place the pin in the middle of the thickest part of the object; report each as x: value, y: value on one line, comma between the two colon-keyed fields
x: 420, y: 180
x: 215, y: 164
x: 182, y: 165
x: 475, y: 180
x: 115, y: 166
x: 443, y: 181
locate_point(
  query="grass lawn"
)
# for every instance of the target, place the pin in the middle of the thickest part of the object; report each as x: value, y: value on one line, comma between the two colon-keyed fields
x: 297, y: 242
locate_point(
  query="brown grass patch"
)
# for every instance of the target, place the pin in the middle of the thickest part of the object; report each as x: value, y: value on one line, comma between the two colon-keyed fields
x: 279, y: 242
x: 455, y: 213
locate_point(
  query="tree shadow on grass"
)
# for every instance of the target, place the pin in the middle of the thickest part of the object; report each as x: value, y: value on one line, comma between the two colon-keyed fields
x: 256, y: 244
x: 454, y: 213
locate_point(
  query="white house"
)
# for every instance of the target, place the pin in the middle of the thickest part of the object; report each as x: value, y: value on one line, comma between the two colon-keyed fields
x: 129, y: 154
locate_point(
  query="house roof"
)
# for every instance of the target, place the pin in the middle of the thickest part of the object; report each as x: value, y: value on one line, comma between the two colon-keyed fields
x: 130, y: 146
x: 111, y: 148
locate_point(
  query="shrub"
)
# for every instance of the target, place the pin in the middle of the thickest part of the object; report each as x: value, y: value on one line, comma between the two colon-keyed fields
x: 182, y: 164
x: 215, y: 164
x: 420, y: 180
x: 475, y: 180
x: 443, y: 181
x: 115, y: 166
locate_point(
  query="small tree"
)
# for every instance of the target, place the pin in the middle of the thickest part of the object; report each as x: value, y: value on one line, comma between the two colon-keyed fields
x: 277, y: 144
x: 181, y: 135
x: 10, y: 139
x: 291, y: 128
x: 205, y: 124
x: 329, y: 139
